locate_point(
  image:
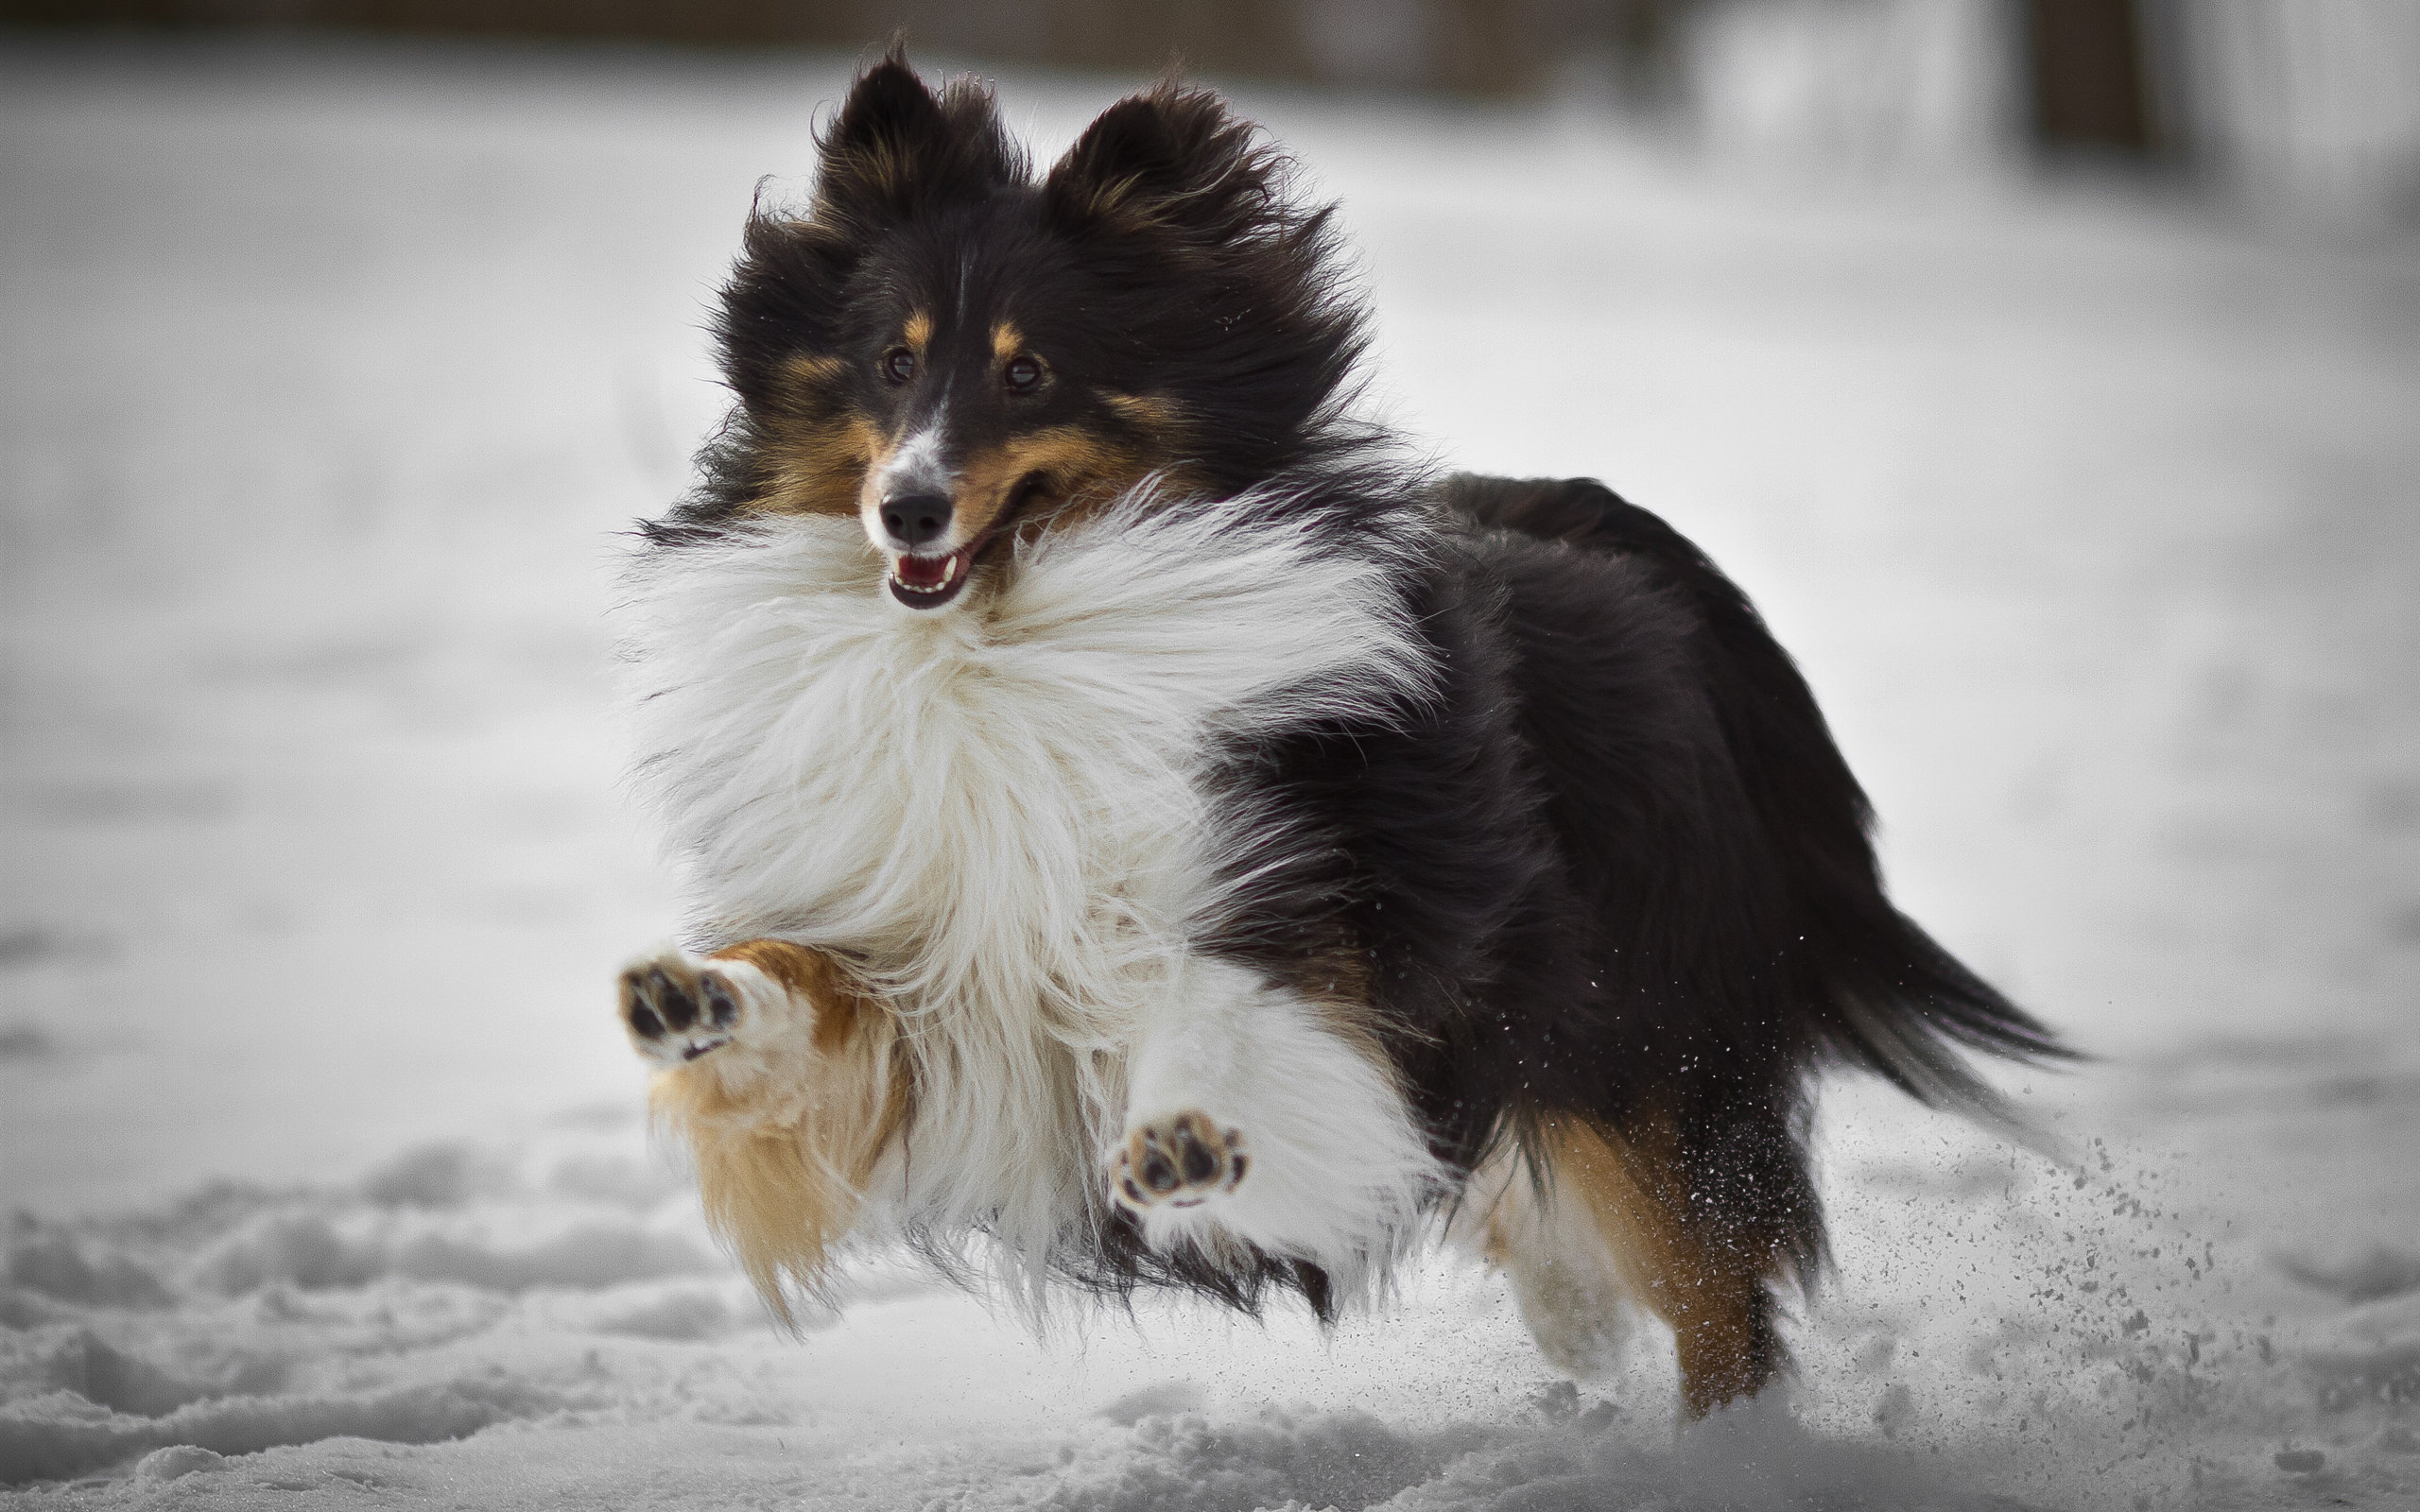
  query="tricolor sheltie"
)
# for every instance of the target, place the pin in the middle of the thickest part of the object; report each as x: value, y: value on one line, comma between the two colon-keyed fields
x: 1141, y: 832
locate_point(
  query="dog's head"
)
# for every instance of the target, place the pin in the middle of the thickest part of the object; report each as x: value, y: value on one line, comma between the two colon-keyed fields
x: 958, y: 354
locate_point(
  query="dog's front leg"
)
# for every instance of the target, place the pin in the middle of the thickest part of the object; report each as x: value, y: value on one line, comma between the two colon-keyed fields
x: 783, y: 1079
x: 1257, y: 1115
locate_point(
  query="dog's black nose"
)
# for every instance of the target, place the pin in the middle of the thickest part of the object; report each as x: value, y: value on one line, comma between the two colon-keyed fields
x: 913, y: 519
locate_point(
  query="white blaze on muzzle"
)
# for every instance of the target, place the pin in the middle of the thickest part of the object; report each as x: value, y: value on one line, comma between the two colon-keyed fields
x: 915, y: 468
x: 910, y: 495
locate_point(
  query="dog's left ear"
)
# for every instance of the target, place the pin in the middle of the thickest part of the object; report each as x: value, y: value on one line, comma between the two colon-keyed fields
x: 897, y: 148
x: 1171, y: 158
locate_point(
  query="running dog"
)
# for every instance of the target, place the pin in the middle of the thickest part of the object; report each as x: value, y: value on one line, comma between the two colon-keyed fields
x: 1139, y: 830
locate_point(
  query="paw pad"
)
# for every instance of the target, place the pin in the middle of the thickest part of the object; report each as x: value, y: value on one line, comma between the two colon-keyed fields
x: 677, y: 1010
x: 1179, y: 1161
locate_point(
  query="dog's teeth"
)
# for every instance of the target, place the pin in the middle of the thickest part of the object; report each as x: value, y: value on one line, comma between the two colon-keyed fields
x: 951, y: 567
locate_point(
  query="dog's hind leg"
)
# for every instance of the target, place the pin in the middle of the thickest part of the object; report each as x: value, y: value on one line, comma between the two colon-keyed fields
x: 1615, y: 1217
x: 1565, y: 1276
x: 1256, y: 1115
x: 785, y: 1083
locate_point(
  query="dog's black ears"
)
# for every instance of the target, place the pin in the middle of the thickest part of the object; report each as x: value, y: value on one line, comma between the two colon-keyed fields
x: 1170, y: 159
x: 897, y: 148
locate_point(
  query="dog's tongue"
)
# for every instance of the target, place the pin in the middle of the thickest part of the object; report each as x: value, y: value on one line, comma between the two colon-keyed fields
x: 928, y: 572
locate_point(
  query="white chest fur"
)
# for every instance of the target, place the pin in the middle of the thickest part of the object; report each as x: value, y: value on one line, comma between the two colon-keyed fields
x: 997, y: 806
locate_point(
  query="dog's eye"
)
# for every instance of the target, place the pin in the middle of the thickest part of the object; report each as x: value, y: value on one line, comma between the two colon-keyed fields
x: 899, y: 364
x: 1024, y: 375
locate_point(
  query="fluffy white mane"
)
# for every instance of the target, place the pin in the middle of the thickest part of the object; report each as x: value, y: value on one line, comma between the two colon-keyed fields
x: 998, y: 807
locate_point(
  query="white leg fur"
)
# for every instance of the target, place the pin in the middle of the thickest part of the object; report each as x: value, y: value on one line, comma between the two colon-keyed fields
x: 1257, y: 1122
x: 1565, y: 1274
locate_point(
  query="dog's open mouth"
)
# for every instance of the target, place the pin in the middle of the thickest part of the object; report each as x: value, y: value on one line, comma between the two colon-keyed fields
x: 928, y: 582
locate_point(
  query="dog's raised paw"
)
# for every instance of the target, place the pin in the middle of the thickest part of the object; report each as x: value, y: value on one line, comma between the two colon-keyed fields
x: 678, y: 1008
x: 1179, y: 1161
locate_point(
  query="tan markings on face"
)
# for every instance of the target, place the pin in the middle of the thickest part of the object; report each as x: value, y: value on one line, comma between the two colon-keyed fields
x: 1006, y: 341
x: 819, y: 470
x: 817, y: 445
x: 919, y: 331
x: 1079, y: 472
x: 1080, y: 469
x: 1145, y: 412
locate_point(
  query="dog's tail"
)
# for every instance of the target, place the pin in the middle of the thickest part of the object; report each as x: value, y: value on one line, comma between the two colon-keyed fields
x: 1892, y: 998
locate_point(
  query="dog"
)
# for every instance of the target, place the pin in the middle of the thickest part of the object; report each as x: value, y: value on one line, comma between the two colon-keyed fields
x: 1140, y: 831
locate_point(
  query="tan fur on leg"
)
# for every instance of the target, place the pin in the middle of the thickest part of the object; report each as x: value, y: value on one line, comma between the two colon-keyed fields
x: 1711, y: 1292
x: 1613, y: 1217
x: 787, y: 1123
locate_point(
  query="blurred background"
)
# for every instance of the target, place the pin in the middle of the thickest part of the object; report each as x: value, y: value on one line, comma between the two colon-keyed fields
x: 2320, y: 98
x: 2048, y: 372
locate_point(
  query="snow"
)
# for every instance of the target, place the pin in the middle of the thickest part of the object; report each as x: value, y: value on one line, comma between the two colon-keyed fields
x: 331, y: 370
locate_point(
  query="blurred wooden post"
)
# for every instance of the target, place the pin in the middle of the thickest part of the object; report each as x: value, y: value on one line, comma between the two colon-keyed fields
x: 2088, y: 81
x: 1512, y: 47
x: 1481, y: 47
x: 1250, y: 37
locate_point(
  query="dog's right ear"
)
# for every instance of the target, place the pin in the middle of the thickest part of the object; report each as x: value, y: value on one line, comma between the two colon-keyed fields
x: 897, y: 149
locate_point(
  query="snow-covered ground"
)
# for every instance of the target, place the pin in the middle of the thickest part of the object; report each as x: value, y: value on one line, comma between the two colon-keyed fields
x: 330, y: 371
